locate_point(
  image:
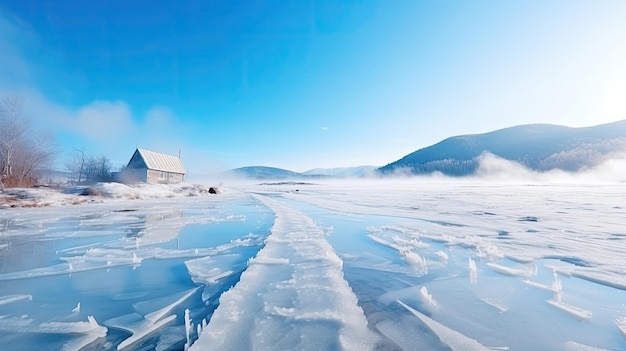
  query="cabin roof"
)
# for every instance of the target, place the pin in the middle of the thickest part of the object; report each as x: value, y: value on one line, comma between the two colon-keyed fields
x: 162, y: 162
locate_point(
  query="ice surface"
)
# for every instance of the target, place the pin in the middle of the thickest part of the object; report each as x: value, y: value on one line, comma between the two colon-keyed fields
x: 394, y: 238
x: 305, y: 304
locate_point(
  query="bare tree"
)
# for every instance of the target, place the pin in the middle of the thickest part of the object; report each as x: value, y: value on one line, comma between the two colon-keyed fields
x: 75, y: 166
x: 97, y: 169
x: 88, y: 169
x: 23, y: 152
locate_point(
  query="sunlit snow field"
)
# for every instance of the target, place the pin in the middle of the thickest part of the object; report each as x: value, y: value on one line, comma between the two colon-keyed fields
x: 387, y: 265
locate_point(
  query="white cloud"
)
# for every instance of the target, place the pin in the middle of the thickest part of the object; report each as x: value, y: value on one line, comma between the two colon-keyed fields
x: 104, y: 120
x: 159, y: 117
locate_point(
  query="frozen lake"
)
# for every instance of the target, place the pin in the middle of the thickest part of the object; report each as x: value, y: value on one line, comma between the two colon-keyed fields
x: 395, y: 265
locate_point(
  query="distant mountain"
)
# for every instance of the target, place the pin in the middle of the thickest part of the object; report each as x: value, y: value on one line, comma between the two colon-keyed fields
x: 539, y: 147
x: 342, y: 172
x: 262, y: 172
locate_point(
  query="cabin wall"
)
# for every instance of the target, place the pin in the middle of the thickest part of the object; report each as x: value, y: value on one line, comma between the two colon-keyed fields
x: 162, y: 177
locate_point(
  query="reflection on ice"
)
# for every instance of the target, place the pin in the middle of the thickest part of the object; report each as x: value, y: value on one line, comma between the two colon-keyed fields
x: 115, y: 262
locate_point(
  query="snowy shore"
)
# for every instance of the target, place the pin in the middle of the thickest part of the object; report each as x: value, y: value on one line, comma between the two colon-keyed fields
x: 96, y: 193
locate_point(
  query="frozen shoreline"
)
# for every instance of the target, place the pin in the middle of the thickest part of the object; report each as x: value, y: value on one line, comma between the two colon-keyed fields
x: 96, y: 193
x: 490, y: 262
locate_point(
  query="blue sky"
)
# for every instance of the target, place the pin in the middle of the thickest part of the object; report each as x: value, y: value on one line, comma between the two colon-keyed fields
x: 306, y: 84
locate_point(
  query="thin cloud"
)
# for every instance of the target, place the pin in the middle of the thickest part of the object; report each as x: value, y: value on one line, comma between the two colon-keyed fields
x: 104, y: 120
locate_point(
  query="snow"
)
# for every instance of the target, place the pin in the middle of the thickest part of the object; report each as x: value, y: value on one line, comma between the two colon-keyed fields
x: 408, y: 265
x: 302, y: 305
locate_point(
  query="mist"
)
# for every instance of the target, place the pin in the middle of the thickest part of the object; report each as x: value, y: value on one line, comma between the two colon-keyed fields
x: 491, y: 169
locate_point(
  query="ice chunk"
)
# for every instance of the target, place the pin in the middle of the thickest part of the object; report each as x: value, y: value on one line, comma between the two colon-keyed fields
x: 502, y: 308
x: 384, y: 242
x: 621, y: 325
x: 151, y: 309
x: 210, y: 270
x: 488, y: 251
x: 139, y: 326
x: 427, y: 298
x: 573, y: 310
x: 417, y: 262
x: 574, y: 346
x: 455, y: 340
x: 556, y: 286
x: 75, y: 264
x: 473, y: 272
x: 412, y: 243
x: 90, y: 327
x: 509, y: 270
x: 14, y: 298
x: 187, y: 329
x: 23, y: 325
x: 443, y: 257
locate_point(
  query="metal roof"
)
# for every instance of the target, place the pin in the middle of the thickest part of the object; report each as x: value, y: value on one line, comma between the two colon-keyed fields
x: 162, y: 162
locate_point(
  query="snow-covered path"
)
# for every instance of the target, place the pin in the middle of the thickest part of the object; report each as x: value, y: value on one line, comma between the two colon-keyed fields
x: 293, y: 296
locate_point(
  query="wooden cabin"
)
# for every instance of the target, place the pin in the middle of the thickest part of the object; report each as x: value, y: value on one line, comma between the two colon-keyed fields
x: 154, y: 168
